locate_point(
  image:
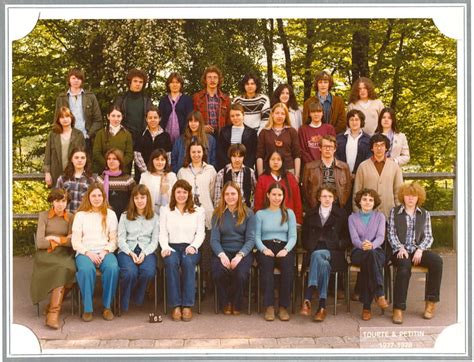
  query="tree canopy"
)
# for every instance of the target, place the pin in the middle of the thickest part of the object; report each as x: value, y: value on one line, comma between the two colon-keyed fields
x: 411, y: 63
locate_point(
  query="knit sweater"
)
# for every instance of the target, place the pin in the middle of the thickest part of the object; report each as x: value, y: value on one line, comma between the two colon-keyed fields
x: 371, y: 110
x: 122, y: 140
x: 292, y: 199
x: 256, y: 110
x: 120, y: 188
x: 309, y: 140
x: 286, y: 143
x: 374, y: 231
x: 386, y: 184
x: 87, y: 233
x: 226, y: 235
x: 268, y: 227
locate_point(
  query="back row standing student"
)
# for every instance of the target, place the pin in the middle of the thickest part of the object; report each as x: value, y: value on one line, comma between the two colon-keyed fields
x: 256, y: 105
x: 174, y: 107
x: 213, y: 104
x: 285, y: 94
x: 83, y: 105
x: 134, y: 105
x: 333, y: 106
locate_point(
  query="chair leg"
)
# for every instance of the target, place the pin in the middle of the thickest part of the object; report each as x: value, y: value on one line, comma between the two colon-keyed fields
x: 156, y: 293
x: 348, y: 287
x: 164, y: 292
x: 249, y: 305
x: 119, y: 293
x: 258, y: 291
x: 216, y: 300
x: 302, y: 286
x: 335, y: 292
x: 79, y: 301
x: 293, y: 297
x: 199, y: 289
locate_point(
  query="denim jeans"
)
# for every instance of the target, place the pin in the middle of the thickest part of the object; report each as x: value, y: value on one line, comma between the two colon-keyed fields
x: 287, y: 268
x: 320, y: 271
x: 86, y: 275
x: 181, y: 288
x: 430, y: 260
x: 230, y: 283
x: 134, y: 278
x: 371, y: 263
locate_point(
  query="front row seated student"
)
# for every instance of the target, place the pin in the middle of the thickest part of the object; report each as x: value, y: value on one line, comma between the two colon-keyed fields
x: 275, y: 238
x: 237, y: 172
x: 410, y: 236
x: 367, y: 230
x: 54, y: 269
x: 137, y: 239
x: 182, y: 232
x: 232, y: 241
x: 325, y: 239
x: 94, y: 238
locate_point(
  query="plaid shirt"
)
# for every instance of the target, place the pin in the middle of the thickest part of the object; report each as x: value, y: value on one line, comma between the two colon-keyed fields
x: 410, y: 243
x: 213, y: 110
x: 238, y: 178
x: 76, y: 188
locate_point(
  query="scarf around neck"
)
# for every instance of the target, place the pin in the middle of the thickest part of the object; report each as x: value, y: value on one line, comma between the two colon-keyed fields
x: 107, y: 174
x: 173, y: 125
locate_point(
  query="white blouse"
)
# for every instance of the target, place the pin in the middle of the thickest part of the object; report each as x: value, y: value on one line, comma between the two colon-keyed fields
x: 153, y: 183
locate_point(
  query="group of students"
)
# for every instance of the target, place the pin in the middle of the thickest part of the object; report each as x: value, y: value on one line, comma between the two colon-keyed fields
x: 203, y: 166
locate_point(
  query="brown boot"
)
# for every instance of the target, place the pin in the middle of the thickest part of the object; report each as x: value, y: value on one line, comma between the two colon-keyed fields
x: 429, y: 309
x: 55, y: 302
x: 397, y: 317
x: 67, y: 289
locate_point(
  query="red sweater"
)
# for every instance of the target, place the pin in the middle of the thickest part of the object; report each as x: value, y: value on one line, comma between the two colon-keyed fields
x: 292, y: 202
x: 309, y: 140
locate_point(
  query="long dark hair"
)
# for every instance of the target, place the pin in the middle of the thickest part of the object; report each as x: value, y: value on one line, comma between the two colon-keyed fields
x: 183, y: 184
x: 390, y: 111
x: 69, y: 170
x: 292, y: 103
x: 283, y: 172
x: 284, y: 211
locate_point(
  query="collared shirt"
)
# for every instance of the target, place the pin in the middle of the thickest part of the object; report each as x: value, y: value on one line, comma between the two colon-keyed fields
x: 351, y: 148
x: 76, y: 188
x: 410, y: 243
x: 379, y: 164
x: 52, y: 213
x: 213, y: 110
x: 328, y: 174
x: 326, y: 102
x: 75, y: 105
x: 237, y: 177
x: 141, y: 231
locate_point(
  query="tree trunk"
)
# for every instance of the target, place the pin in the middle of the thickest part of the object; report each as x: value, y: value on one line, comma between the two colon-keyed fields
x: 268, y: 29
x: 381, y: 52
x: 396, y: 74
x: 360, y: 50
x: 286, y: 51
x: 308, y: 60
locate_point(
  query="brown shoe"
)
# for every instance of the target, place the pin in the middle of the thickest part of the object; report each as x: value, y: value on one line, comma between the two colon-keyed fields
x: 429, y: 309
x: 382, y: 302
x: 228, y: 309
x: 366, y: 315
x: 320, y: 315
x: 187, y: 314
x: 87, y: 317
x: 270, y: 313
x: 176, y: 314
x: 397, y: 317
x: 107, y: 314
x: 355, y: 297
x: 283, y: 314
x: 55, y: 303
x: 235, y: 311
x: 306, y: 308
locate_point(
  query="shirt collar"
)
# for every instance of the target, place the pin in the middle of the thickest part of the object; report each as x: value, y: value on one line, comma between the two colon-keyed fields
x: 349, y: 132
x: 70, y: 94
x: 52, y: 213
x: 374, y: 160
x: 402, y: 209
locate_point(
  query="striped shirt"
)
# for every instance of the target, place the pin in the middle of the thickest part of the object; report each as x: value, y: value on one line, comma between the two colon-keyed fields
x: 256, y: 110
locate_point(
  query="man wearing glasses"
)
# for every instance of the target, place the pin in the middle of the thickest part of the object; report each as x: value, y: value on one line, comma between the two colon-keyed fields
x: 326, y: 171
x: 381, y: 174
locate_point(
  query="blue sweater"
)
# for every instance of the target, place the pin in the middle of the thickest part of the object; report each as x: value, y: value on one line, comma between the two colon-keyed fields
x: 268, y: 226
x: 177, y: 155
x: 228, y: 236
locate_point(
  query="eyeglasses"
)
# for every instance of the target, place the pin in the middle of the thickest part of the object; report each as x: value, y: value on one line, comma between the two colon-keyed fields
x: 328, y: 147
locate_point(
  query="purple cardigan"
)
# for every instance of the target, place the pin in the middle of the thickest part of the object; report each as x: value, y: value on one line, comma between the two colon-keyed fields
x: 374, y: 231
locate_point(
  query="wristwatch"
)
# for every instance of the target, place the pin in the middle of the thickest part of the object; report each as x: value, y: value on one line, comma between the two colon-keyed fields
x: 241, y: 254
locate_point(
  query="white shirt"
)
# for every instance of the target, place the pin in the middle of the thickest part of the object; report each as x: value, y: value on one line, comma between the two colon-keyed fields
x: 153, y: 183
x: 351, y: 149
x: 177, y: 228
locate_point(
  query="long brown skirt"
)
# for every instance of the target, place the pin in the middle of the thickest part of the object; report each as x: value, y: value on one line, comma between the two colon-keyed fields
x: 51, y: 270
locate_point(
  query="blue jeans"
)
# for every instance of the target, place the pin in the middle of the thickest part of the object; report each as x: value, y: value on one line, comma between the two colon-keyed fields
x: 134, y: 278
x: 86, y: 275
x: 320, y: 271
x: 286, y: 266
x: 181, y: 295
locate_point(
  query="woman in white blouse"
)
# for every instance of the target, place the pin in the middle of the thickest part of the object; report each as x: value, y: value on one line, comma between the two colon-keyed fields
x: 94, y: 238
x: 364, y: 98
x: 181, y: 235
x: 387, y: 125
x: 159, y: 179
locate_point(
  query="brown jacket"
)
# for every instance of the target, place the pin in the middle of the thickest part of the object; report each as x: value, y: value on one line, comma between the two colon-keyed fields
x: 200, y: 104
x: 313, y: 179
x: 338, y: 112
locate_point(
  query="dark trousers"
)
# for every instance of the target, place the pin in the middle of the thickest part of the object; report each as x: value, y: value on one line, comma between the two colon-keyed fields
x: 286, y: 266
x: 230, y: 284
x: 371, y: 263
x: 429, y: 260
